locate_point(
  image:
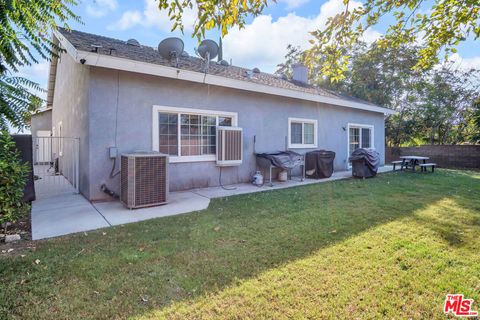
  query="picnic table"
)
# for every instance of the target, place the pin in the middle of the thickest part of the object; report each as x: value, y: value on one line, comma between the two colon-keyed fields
x: 413, y: 161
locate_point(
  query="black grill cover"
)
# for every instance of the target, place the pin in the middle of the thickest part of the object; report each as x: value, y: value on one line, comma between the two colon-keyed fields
x: 283, y: 159
x: 319, y: 164
x: 365, y: 163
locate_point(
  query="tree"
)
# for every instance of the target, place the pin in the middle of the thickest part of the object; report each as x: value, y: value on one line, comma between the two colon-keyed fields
x: 212, y: 13
x: 437, y: 26
x: 448, y: 99
x: 25, y: 28
x: 433, y: 106
x: 385, y: 76
x: 17, y: 102
x: 12, y: 181
x: 471, y: 127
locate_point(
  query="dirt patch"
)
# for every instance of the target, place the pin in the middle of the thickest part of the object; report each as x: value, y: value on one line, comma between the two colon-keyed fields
x: 23, y: 228
x: 18, y: 248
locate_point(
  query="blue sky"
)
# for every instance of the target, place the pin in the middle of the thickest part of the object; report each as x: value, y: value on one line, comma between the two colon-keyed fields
x: 262, y: 43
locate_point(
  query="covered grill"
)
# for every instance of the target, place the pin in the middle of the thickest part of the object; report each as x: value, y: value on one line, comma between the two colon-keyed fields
x: 365, y: 163
x: 286, y: 160
x: 319, y: 164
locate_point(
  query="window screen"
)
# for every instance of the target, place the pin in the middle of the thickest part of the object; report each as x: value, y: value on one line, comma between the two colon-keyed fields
x: 309, y: 133
x: 296, y: 133
x: 168, y: 140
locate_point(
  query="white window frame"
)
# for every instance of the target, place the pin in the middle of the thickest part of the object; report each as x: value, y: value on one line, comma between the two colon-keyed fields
x: 203, y: 112
x: 360, y: 126
x: 303, y: 122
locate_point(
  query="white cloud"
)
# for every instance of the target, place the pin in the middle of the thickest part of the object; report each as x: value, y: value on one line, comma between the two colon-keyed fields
x: 465, y: 63
x: 263, y: 42
x: 35, y: 71
x: 99, y: 8
x: 292, y: 4
x: 371, y: 35
x: 38, y: 73
x: 128, y: 20
x: 152, y: 17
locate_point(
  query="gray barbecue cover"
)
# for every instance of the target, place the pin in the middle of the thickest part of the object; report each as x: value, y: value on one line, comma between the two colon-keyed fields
x: 371, y: 157
x: 283, y: 159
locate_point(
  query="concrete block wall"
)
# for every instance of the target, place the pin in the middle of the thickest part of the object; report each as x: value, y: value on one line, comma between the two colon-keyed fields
x: 447, y: 156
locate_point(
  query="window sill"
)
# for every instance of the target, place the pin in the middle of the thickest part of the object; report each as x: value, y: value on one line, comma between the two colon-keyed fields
x: 185, y: 159
x: 302, y: 146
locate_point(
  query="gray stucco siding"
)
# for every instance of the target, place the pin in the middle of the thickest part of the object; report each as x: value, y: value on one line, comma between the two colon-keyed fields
x: 261, y: 115
x: 70, y: 107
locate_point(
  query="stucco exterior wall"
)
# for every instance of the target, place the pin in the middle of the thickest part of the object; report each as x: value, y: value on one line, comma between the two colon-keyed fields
x: 128, y: 125
x: 41, y: 121
x: 70, y: 108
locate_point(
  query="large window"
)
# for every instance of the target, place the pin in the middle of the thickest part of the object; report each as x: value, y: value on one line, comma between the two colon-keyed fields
x: 359, y: 136
x: 302, y: 133
x: 188, y: 134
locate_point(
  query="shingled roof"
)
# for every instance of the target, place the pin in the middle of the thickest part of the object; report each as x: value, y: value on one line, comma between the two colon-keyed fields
x: 118, y: 48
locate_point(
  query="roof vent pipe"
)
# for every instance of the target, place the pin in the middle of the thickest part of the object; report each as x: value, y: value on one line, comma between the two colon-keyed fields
x: 300, y: 73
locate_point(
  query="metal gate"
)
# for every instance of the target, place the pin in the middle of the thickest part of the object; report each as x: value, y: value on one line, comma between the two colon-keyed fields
x: 55, y: 163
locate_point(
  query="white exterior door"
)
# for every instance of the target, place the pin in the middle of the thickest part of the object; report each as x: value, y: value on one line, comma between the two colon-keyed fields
x: 359, y: 136
x: 43, y: 147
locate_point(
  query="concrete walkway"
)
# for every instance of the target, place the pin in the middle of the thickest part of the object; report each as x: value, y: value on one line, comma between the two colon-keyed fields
x: 64, y: 214
x: 70, y: 213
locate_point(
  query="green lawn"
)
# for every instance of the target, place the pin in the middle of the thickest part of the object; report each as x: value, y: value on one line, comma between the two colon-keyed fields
x: 389, y: 247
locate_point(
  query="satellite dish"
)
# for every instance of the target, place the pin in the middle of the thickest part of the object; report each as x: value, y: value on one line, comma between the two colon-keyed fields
x: 256, y: 70
x: 184, y: 54
x: 133, y: 42
x: 171, y: 48
x: 208, y: 49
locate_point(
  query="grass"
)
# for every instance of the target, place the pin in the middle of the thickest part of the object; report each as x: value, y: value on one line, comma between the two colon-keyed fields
x: 389, y: 247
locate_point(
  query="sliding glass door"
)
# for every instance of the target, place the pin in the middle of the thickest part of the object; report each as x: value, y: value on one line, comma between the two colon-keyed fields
x: 359, y: 136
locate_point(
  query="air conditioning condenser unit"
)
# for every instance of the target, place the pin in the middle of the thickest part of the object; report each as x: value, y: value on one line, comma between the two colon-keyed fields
x: 144, y: 179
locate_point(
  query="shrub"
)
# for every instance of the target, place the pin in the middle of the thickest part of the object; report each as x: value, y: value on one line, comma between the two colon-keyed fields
x: 12, y: 180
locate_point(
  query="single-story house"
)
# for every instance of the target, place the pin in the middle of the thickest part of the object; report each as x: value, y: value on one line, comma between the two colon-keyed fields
x: 120, y: 95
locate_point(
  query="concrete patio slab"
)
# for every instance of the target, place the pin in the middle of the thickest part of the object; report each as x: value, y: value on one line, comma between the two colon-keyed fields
x: 179, y: 202
x: 243, y: 188
x: 64, y: 214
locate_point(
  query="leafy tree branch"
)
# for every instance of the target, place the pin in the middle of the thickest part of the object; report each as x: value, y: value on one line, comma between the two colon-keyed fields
x: 438, y: 29
x: 220, y: 14
x: 25, y: 30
